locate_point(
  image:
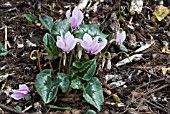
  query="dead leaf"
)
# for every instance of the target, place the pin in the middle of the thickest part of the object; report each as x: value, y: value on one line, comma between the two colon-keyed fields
x: 136, y: 6
x: 161, y: 12
x: 165, y: 49
x: 165, y: 70
x: 143, y: 48
x: 129, y: 59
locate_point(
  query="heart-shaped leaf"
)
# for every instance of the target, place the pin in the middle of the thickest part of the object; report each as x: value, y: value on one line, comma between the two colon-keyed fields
x: 92, y: 29
x: 84, y: 70
x: 76, y: 84
x: 45, y: 87
x: 47, y: 22
x: 93, y: 93
x: 60, y: 27
x: 63, y: 81
x: 49, y: 44
x: 3, y: 51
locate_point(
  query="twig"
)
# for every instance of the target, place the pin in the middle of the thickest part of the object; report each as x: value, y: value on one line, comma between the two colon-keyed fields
x: 158, y: 107
x: 5, y: 37
x: 11, y: 109
x: 157, y: 89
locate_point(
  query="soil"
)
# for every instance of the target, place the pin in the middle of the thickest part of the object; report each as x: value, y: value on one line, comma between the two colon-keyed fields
x: 146, y: 80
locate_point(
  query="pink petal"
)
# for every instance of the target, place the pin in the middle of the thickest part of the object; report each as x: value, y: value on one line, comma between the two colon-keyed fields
x: 68, y: 37
x: 73, y: 22
x: 87, y: 38
x: 86, y: 46
x: 101, y: 45
x: 79, y: 18
x: 94, y: 43
x: 21, y: 91
x: 23, y: 87
x: 75, y: 12
x: 60, y: 44
x: 68, y: 13
x: 71, y: 45
x: 17, y: 96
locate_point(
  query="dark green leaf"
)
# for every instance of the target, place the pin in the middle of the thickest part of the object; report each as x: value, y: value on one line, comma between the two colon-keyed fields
x: 123, y: 48
x: 29, y: 17
x: 45, y: 87
x: 93, y: 93
x: 50, y: 46
x: 27, y: 97
x: 90, y: 112
x: 18, y: 108
x: 84, y: 70
x: 47, y: 22
x: 3, y: 51
x: 76, y: 84
x: 91, y: 29
x: 60, y: 27
x: 63, y: 81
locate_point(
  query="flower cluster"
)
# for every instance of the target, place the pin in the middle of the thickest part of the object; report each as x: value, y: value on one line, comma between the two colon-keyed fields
x: 68, y: 42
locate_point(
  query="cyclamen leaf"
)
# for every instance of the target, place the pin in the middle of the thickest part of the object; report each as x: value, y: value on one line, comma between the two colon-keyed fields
x: 123, y: 48
x: 63, y: 81
x: 93, y: 93
x: 47, y: 22
x: 90, y: 112
x: 76, y: 84
x: 92, y: 29
x: 84, y: 70
x: 60, y: 27
x: 29, y: 17
x: 49, y: 44
x: 45, y: 87
x: 3, y: 51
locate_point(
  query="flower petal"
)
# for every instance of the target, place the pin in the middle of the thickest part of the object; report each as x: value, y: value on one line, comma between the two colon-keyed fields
x: 60, y: 43
x: 75, y: 12
x: 87, y: 38
x: 68, y: 13
x: 17, y: 96
x: 71, y: 45
x: 73, y: 22
x: 86, y: 46
x: 120, y: 37
x: 79, y: 18
x: 23, y: 87
x: 101, y: 45
x: 94, y: 43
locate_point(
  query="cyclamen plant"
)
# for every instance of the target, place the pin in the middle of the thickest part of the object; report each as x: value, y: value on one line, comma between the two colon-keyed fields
x: 68, y: 40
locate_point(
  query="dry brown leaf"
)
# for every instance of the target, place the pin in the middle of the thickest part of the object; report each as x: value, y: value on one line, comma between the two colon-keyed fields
x: 161, y: 12
x: 165, y: 49
x: 165, y: 70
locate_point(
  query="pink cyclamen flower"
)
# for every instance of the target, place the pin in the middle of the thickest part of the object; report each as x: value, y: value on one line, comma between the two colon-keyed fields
x: 120, y: 37
x: 92, y: 46
x: 66, y: 43
x: 76, y: 19
x: 21, y: 92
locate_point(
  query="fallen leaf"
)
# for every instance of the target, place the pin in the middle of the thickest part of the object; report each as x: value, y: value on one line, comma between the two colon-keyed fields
x: 165, y: 49
x: 136, y: 6
x: 143, y: 48
x: 129, y: 59
x: 165, y: 70
x: 161, y: 12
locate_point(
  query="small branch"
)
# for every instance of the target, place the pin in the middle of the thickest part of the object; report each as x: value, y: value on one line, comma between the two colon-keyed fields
x: 11, y: 110
x: 5, y: 37
x: 157, y: 89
